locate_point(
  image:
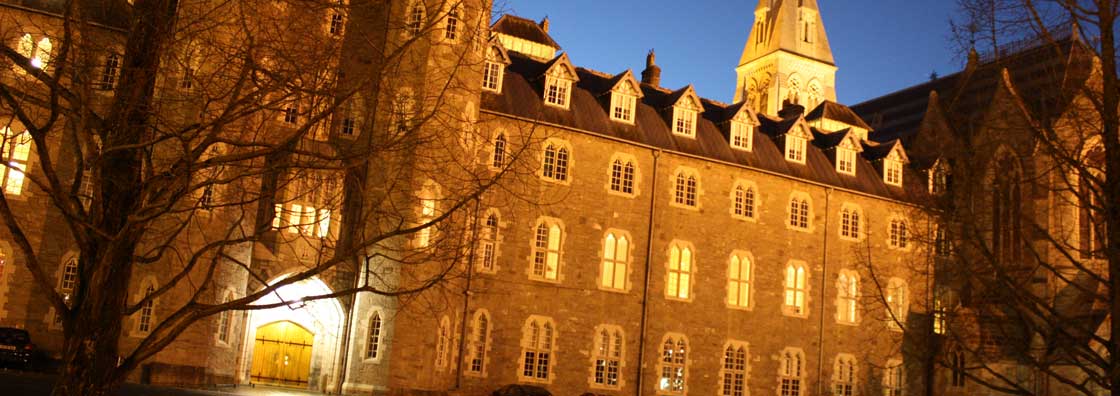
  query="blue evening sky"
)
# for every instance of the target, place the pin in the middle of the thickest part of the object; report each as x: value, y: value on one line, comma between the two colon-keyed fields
x: 880, y: 46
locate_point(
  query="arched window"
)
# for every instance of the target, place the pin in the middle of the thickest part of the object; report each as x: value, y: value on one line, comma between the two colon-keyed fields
x: 546, y: 250
x: 850, y: 226
x: 536, y: 347
x: 428, y: 213
x: 847, y: 307
x: 799, y: 212
x: 796, y: 283
x: 813, y: 95
x: 147, y: 312
x: 686, y: 188
x: 403, y: 109
x: 415, y: 18
x: 1006, y: 212
x: 622, y: 176
x: 608, y: 357
x: 893, y: 383
x: 27, y: 47
x: 488, y: 244
x: 555, y: 165
x: 69, y: 279
x: 15, y: 149
x: 498, y: 161
x: 674, y: 365
x: 1091, y: 224
x: 479, y: 340
x: 898, y: 233
x: 844, y: 375
x: 225, y: 321
x: 739, y: 281
x: 443, y: 343
x: 791, y: 372
x: 452, y: 26
x: 734, y: 371
x: 616, y: 257
x: 793, y: 90
x: 373, y: 340
x: 743, y: 201
x: 898, y: 304
x: 679, y: 285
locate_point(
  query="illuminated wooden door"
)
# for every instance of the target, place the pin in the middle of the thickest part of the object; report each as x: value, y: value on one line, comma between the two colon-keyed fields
x: 282, y: 354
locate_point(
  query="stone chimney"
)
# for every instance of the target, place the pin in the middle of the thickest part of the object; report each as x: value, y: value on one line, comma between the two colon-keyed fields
x: 652, y: 74
x: 544, y: 24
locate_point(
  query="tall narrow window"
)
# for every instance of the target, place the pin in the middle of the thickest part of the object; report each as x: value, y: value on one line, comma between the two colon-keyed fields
x: 739, y: 281
x: 791, y: 372
x: 684, y: 121
x: 443, y: 343
x: 147, y: 311
x: 427, y: 214
x: 850, y: 227
x: 336, y: 20
x: 686, y: 189
x: 109, y: 72
x: 742, y: 135
x: 225, y: 322
x: 616, y: 256
x: 608, y: 357
x: 498, y: 161
x: 557, y: 91
x: 492, y: 75
x: 899, y: 238
x: 734, y: 371
x: 555, y: 164
x: 373, y: 336
x: 451, y: 29
x: 1007, y: 205
x: 898, y: 307
x: 893, y: 379
x: 940, y: 322
x: 39, y: 53
x: 892, y: 172
x: 795, y: 149
x: 622, y: 175
x: 15, y: 150
x: 957, y: 366
x: 415, y: 18
x: 744, y: 201
x: 846, y: 161
x: 674, y: 365
x: 844, y: 375
x: 536, y: 347
x: 478, y: 345
x: 680, y: 273
x: 799, y: 212
x: 795, y: 289
x: 847, y: 309
x: 69, y: 279
x: 488, y: 244
x: 546, y: 251
x: 943, y: 246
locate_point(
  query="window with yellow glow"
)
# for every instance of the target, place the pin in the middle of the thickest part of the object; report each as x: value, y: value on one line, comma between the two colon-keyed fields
x: 679, y: 285
x: 15, y: 148
x: 536, y: 349
x: 739, y: 281
x: 796, y: 282
x: 674, y: 365
x: 546, y: 251
x: 607, y: 353
x: 616, y: 257
x: 847, y: 309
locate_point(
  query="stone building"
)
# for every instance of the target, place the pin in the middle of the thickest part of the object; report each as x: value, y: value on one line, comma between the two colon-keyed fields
x: 662, y: 243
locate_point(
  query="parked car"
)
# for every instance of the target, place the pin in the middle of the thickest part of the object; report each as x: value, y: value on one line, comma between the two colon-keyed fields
x: 16, y: 349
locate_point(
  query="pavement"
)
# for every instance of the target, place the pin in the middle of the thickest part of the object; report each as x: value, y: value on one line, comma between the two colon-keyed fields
x: 19, y: 383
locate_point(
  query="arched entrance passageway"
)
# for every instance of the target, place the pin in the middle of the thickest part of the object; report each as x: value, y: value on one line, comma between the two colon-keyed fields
x: 295, y: 345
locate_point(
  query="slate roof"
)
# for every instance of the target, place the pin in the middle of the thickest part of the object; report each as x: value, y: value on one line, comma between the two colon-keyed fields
x: 522, y: 28
x: 835, y: 111
x: 521, y: 96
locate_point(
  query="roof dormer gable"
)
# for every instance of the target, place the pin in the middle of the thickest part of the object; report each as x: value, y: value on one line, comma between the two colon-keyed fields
x: 685, y: 108
x: 624, y: 96
x: 562, y: 68
x: 496, y: 52
x: 559, y: 76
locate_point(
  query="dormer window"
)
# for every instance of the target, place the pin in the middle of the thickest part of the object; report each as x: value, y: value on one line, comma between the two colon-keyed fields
x: 557, y: 91
x: 684, y: 121
x: 938, y: 179
x: 742, y: 135
x: 795, y: 149
x: 623, y: 107
x: 846, y: 161
x: 892, y: 172
x: 492, y: 75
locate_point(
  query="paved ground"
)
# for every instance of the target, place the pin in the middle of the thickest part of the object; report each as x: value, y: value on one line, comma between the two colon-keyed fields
x: 15, y: 383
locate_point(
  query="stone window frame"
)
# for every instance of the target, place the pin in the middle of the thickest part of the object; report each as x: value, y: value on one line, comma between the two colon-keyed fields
x: 728, y: 369
x: 370, y: 346
x: 749, y: 283
x: 453, y: 23
x: 147, y: 286
x: 558, y: 92
x: 16, y: 149
x: 553, y: 225
x: 613, y: 351
x: 490, y: 237
x: 896, y: 298
x: 414, y: 19
x: 427, y: 210
x: 617, y: 175
x: 791, y: 371
x: 499, y: 151
x: 894, y: 378
x: 676, y: 360
x: 478, y: 350
x: 227, y: 317
x: 493, y: 74
x: 443, y: 355
x: 626, y: 261
x: 845, y: 376
x: 800, y: 217
x: 791, y: 288
x: 898, y: 233
x: 34, y: 50
x: 751, y: 206
x: 847, y: 298
x: 556, y: 161
x: 544, y: 343
x: 852, y: 225
x: 685, y: 277
x: 682, y: 193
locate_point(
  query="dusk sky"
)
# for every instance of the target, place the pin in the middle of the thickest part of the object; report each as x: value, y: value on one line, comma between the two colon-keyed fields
x: 880, y: 46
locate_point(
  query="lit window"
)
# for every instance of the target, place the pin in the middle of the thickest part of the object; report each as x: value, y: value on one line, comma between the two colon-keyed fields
x: 451, y: 29
x: 847, y: 308
x: 940, y: 323
x: 492, y: 75
x: 349, y: 114
x: 897, y: 303
x: 623, y: 106
x: 608, y: 357
x: 557, y: 91
x: 846, y: 161
x: 427, y: 216
x: 546, y: 251
x: 15, y: 150
x: 109, y: 72
x: 147, y: 312
x: 939, y: 179
x: 536, y: 349
x: 443, y: 343
x: 850, y: 226
x: 488, y: 254
x: 674, y: 365
x: 373, y: 341
x: 336, y: 21
x: 38, y: 53
x: 622, y: 176
x: 796, y: 283
x: 739, y: 281
x: 734, y: 372
x: 679, y: 285
x: 744, y: 201
x: 684, y: 121
x: 555, y: 164
x: 478, y: 347
x: 791, y: 372
x: 499, y: 156
x: 85, y: 188
x: 686, y: 189
x: 415, y: 21
x: 892, y: 172
x: 616, y: 256
x: 795, y: 149
x: 844, y: 375
x: 799, y: 212
x: 893, y: 379
x: 742, y: 135
x: 899, y: 238
x: 69, y: 279
x: 225, y: 321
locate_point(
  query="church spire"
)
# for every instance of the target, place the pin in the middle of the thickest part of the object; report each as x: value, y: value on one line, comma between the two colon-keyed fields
x: 793, y: 26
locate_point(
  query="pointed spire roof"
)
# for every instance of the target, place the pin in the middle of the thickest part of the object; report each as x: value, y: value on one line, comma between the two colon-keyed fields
x: 779, y: 27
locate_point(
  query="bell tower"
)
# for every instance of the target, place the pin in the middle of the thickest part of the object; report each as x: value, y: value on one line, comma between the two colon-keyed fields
x: 786, y: 58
